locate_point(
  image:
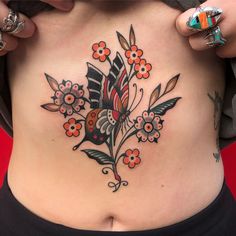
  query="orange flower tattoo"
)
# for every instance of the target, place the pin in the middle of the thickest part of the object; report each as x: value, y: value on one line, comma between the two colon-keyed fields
x: 72, y: 128
x: 101, y: 52
x: 131, y: 158
x: 134, y: 55
x: 143, y: 69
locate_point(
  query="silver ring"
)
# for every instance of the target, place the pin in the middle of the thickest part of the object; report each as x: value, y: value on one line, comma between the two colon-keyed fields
x: 2, y: 42
x: 215, y: 38
x: 12, y: 23
x: 204, y: 18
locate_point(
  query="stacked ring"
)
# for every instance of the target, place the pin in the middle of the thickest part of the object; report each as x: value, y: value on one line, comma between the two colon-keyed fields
x: 207, y: 19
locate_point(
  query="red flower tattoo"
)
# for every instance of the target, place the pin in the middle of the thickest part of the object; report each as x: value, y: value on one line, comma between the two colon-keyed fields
x: 134, y: 55
x: 72, y: 128
x: 101, y: 52
x: 143, y: 69
x: 132, y: 158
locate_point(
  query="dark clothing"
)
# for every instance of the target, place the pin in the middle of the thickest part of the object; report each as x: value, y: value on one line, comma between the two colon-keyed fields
x: 218, y: 219
x: 228, y: 121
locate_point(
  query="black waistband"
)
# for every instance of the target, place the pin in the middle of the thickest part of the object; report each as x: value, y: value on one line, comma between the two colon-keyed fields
x: 20, y: 221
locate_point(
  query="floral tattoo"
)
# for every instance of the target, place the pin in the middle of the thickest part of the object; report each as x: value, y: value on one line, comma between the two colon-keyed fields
x: 107, y: 120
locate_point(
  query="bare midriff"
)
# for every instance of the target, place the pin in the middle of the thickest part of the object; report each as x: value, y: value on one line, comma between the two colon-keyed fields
x: 178, y: 175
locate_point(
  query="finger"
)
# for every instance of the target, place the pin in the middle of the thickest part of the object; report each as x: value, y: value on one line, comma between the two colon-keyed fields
x: 198, y: 22
x: 29, y: 26
x: 11, y: 42
x: 181, y: 23
x: 229, y: 50
x: 64, y: 5
x: 199, y: 42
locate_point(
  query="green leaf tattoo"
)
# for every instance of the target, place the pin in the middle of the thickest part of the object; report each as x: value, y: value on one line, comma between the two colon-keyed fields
x: 162, y: 108
x: 101, y: 157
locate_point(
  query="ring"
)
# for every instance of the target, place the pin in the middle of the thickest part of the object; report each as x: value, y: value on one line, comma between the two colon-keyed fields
x: 2, y: 42
x: 204, y: 18
x: 12, y: 23
x: 215, y: 38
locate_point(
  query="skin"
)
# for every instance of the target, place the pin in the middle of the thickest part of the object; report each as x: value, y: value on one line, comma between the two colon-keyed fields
x: 195, y: 39
x: 227, y: 25
x: 65, y: 186
x: 30, y: 27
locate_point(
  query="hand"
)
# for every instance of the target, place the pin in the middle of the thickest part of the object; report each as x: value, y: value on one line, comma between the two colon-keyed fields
x: 11, y: 40
x: 227, y: 26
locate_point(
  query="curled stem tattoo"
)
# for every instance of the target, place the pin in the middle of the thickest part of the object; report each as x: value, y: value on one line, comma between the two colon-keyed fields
x: 108, y: 121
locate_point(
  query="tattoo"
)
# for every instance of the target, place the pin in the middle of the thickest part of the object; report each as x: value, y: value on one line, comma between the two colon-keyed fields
x: 108, y: 121
x: 218, y: 102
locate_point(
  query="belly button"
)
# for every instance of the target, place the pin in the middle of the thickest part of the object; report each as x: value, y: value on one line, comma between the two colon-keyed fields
x: 110, y: 220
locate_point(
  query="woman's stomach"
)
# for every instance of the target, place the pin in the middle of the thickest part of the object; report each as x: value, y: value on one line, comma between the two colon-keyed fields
x: 114, y: 131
